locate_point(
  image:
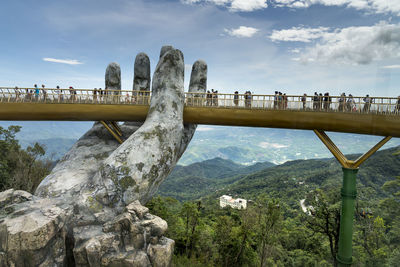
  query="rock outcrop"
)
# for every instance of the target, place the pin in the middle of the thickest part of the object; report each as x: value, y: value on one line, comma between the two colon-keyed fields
x: 89, y: 211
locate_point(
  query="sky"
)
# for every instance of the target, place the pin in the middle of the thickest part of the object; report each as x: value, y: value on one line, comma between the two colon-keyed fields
x: 294, y: 46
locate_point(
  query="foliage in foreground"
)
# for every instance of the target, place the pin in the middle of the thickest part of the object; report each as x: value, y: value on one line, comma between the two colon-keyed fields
x: 21, y: 169
x: 266, y: 235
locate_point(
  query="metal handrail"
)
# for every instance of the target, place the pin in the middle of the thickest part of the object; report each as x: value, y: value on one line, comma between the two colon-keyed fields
x: 376, y: 105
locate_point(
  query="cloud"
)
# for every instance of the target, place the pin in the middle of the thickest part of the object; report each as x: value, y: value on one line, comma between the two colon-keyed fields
x: 63, y: 61
x: 372, y: 6
x: 234, y: 5
x: 351, y: 45
x: 391, y: 67
x: 369, y: 6
x: 298, y: 34
x: 242, y: 31
x: 248, y: 5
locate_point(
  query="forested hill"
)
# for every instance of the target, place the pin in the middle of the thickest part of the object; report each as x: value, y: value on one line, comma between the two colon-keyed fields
x: 290, y: 181
x: 274, y: 230
x: 201, y: 178
x: 293, y: 179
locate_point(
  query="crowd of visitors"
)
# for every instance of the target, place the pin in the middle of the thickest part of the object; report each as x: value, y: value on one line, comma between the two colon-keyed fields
x: 212, y: 98
x: 317, y: 102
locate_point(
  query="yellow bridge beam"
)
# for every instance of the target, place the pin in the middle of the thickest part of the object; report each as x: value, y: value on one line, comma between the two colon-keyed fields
x: 373, y: 124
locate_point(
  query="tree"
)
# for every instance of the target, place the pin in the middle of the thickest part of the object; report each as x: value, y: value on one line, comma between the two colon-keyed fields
x: 191, y: 214
x: 325, y: 218
x: 21, y: 169
x: 269, y: 225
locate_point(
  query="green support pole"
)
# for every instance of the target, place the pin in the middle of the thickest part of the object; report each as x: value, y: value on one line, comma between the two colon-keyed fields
x: 349, y: 193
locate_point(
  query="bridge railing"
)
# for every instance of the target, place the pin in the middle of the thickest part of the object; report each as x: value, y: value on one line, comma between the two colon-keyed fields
x: 380, y: 105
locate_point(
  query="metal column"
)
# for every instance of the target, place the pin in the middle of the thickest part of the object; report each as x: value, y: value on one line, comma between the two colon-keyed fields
x: 349, y: 194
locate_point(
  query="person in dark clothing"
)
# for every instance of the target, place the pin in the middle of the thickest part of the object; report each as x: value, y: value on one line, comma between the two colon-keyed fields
x: 327, y: 102
x: 397, y: 110
x: 316, y: 101
x: 236, y: 98
x: 276, y: 99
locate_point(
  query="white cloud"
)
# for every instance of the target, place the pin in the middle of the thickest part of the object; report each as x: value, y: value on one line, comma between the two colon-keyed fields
x: 352, y: 45
x: 234, y: 5
x: 298, y: 34
x: 242, y: 31
x: 295, y: 50
x: 248, y: 5
x: 63, y: 61
x: 373, y: 6
x: 391, y: 67
x: 369, y: 6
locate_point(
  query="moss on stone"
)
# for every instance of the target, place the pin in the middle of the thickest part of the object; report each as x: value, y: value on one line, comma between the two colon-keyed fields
x: 126, y: 182
x: 140, y: 166
x: 94, y: 205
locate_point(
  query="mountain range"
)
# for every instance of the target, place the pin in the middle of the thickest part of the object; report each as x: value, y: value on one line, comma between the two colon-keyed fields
x: 290, y: 181
x: 242, y: 145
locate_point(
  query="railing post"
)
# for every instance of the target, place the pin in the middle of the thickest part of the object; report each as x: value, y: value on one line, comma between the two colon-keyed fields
x: 349, y: 193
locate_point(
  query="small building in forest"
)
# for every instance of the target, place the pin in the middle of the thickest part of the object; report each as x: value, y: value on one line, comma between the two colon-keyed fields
x: 236, y: 203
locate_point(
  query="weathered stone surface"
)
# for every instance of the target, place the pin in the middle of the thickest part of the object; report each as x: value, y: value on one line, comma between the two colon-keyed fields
x: 88, y: 211
x: 141, y: 78
x: 113, y: 77
x: 33, y: 233
x: 165, y: 49
x: 136, y: 168
x: 138, y: 209
x: 161, y: 254
x: 12, y: 196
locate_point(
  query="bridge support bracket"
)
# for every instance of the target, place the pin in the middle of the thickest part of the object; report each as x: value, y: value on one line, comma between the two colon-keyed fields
x: 349, y: 194
x: 114, y: 129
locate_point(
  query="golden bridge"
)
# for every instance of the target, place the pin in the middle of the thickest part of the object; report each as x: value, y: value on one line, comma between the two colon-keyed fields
x: 362, y: 115
x: 379, y: 116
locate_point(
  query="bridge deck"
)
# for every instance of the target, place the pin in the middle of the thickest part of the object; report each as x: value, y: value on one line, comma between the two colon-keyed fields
x: 380, y: 117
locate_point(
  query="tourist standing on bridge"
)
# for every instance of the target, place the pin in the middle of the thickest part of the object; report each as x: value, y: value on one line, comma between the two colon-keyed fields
x: 280, y: 100
x: 36, y: 92
x: 214, y: 97
x: 208, y: 98
x: 320, y: 100
x: 350, y: 103
x: 71, y: 93
x: 248, y: 99
x: 304, y: 100
x: 397, y: 110
x: 44, y: 93
x: 276, y: 99
x: 95, y: 95
x: 236, y: 98
x: 367, y: 100
x: 28, y: 94
x: 285, y: 101
x: 342, y: 101
x: 327, y: 101
x: 17, y: 93
x: 316, y: 100
x: 57, y: 91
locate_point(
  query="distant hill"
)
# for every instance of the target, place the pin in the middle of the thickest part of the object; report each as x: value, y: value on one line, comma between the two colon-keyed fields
x: 243, y: 145
x: 198, y: 179
x: 290, y: 181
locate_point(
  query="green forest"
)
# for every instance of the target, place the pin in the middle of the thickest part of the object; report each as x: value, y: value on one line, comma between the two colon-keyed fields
x: 273, y: 230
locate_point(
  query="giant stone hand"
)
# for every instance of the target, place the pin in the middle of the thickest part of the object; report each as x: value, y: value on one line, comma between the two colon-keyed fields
x: 88, y: 211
